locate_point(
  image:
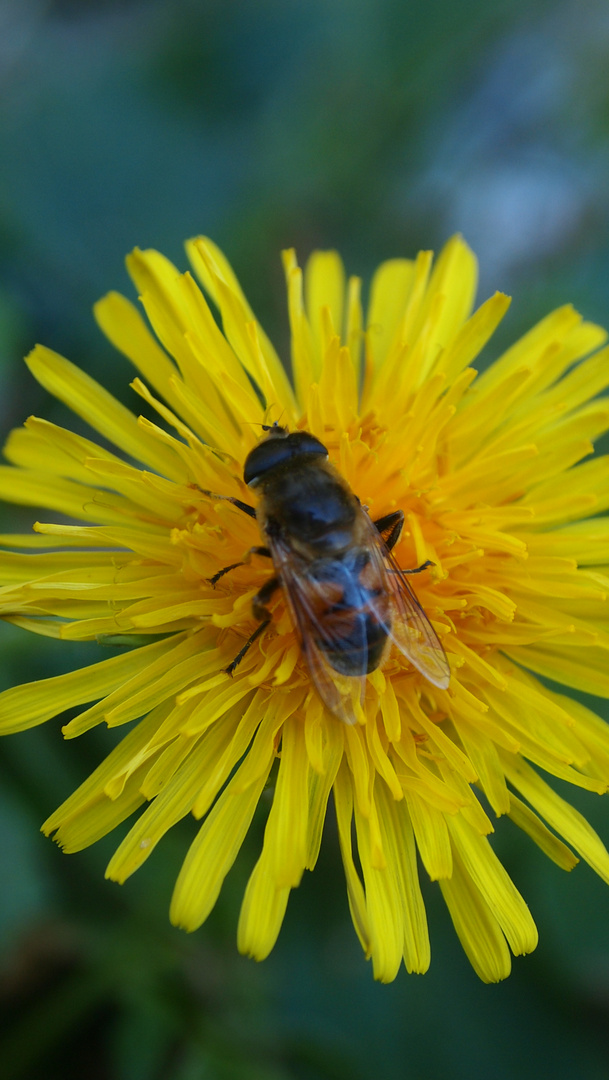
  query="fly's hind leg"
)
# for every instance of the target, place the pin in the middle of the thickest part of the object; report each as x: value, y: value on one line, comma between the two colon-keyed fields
x: 417, y: 569
x: 260, y: 611
x: 390, y: 527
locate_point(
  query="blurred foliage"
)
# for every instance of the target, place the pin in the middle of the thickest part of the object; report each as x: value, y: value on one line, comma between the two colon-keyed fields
x: 376, y: 127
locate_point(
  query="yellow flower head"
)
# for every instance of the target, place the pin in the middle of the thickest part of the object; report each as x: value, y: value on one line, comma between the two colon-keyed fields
x: 486, y: 471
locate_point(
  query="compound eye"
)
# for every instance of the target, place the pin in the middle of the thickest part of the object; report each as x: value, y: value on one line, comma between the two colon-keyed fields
x: 302, y: 442
x: 267, y: 455
x: 273, y: 452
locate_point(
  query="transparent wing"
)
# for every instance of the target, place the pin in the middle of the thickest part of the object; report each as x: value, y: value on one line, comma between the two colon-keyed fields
x: 409, y: 627
x: 326, y: 628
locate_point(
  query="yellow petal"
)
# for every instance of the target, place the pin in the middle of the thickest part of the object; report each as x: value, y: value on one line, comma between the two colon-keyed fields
x: 398, y: 841
x: 262, y: 912
x: 30, y: 487
x: 170, y: 806
x: 484, y: 757
x: 389, y: 292
x: 385, y: 915
x: 31, y: 704
x: 92, y: 791
x: 558, y: 813
x: 175, y: 668
x: 102, y: 411
x: 51, y: 449
x: 433, y: 840
x: 343, y: 801
x: 583, y: 669
x: 477, y: 928
x: 303, y: 352
x: 247, y: 726
x: 525, y: 819
x: 93, y: 822
x: 320, y: 785
x: 494, y: 884
x: 212, y: 854
x: 123, y: 325
x: 473, y: 335
x: 324, y: 286
x: 286, y: 832
x: 220, y: 281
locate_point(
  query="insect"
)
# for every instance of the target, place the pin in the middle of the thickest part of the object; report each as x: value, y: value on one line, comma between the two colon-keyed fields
x: 348, y: 598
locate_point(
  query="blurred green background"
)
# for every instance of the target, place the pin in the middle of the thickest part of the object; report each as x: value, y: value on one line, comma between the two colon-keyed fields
x: 377, y: 127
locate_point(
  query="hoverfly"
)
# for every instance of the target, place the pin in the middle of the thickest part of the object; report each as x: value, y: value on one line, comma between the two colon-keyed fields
x: 348, y: 598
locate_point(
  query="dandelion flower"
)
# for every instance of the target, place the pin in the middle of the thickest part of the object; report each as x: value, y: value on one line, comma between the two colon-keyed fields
x: 488, y: 472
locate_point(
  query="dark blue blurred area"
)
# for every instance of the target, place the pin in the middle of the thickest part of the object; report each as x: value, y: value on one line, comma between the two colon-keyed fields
x: 376, y: 127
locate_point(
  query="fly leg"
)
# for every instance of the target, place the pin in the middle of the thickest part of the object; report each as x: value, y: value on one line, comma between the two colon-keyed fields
x: 249, y: 510
x: 390, y: 527
x: 233, y: 566
x: 262, y: 597
x: 261, y: 612
x: 417, y: 569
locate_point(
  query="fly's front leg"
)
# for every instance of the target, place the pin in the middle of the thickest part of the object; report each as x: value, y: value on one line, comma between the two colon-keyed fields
x: 249, y: 510
x: 260, y: 611
x: 390, y: 527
